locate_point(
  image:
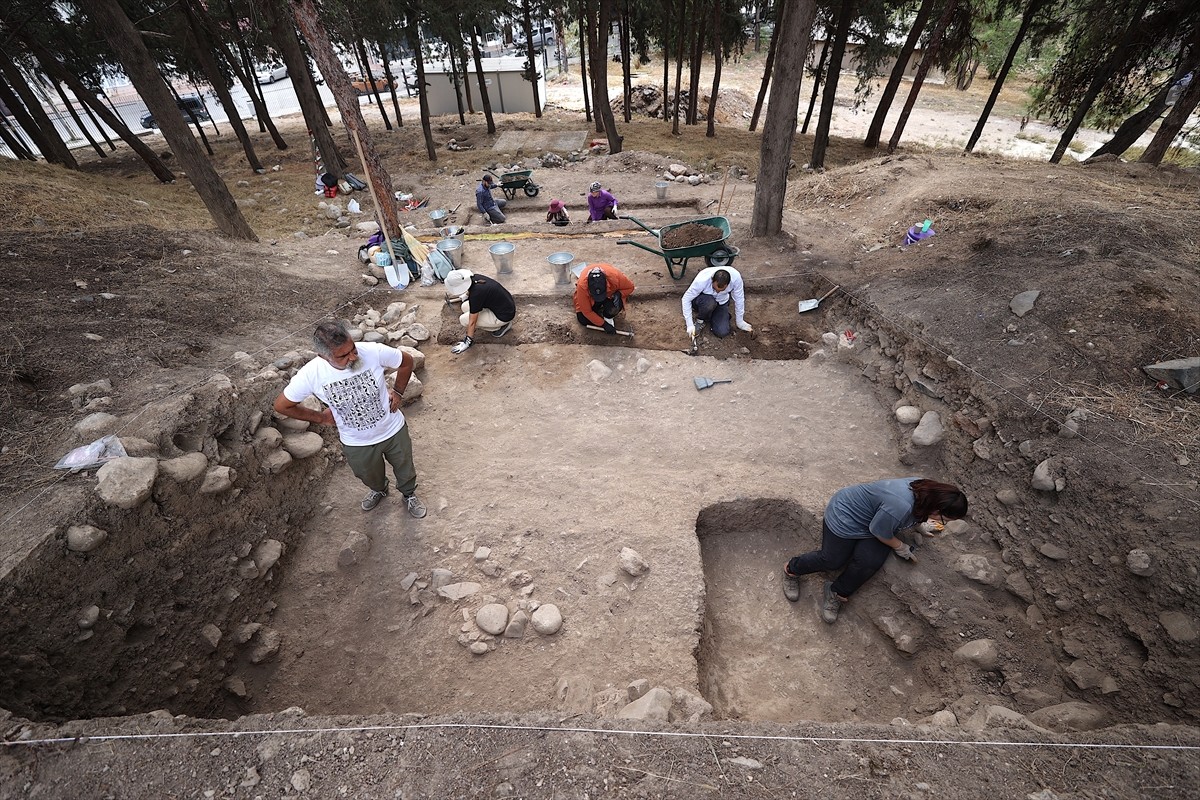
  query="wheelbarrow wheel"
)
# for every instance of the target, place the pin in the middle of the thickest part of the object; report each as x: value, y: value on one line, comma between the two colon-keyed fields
x: 719, y: 258
x: 531, y: 190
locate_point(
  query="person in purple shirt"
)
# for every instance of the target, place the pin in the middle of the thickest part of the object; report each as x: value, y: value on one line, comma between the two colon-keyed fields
x: 601, y: 204
x: 859, y: 533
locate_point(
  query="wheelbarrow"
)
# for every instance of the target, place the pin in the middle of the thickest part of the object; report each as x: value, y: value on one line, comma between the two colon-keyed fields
x: 512, y: 182
x: 717, y: 253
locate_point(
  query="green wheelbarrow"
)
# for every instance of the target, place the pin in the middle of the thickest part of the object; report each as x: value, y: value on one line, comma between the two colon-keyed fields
x: 716, y: 253
x: 519, y: 181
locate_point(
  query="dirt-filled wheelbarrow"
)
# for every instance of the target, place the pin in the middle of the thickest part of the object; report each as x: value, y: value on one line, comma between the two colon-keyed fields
x: 513, y: 182
x: 716, y: 252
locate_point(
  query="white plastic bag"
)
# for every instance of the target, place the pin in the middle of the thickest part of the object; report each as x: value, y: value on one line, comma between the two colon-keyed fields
x: 427, y: 275
x: 89, y: 456
x: 353, y: 208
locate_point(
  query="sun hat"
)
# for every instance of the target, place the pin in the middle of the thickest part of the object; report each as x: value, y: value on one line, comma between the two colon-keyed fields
x: 596, y: 186
x: 556, y: 205
x: 458, y: 282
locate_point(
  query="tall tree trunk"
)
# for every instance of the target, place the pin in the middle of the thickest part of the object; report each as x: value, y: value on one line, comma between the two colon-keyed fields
x: 532, y: 56
x: 836, y: 53
x: 927, y: 60
x: 91, y: 115
x: 875, y: 131
x: 1031, y: 11
x: 370, y: 76
x: 818, y: 81
x: 1173, y: 124
x: 283, y: 33
x: 1136, y: 124
x: 779, y: 129
x: 679, y: 42
x: 1098, y: 81
x: 51, y: 66
x: 585, y: 53
x: 466, y: 72
x: 626, y: 69
x: 139, y: 65
x: 458, y: 91
x: 668, y: 20
x: 718, y: 58
x: 245, y: 78
x: 12, y: 138
x: 252, y: 88
x: 600, y: 72
x: 78, y: 122
x: 202, y: 48
x: 483, y: 92
x: 391, y: 80
x: 700, y: 28
x: 192, y: 118
x: 347, y: 102
x: 768, y: 67
x: 590, y: 24
x: 414, y: 44
x: 28, y: 111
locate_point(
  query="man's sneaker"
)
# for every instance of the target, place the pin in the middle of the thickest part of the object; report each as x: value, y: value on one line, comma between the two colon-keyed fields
x: 791, y: 586
x: 501, y: 331
x: 373, y: 498
x: 831, y: 605
x: 415, y: 506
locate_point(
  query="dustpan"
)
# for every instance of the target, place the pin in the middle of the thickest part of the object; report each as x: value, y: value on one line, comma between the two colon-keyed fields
x: 704, y: 383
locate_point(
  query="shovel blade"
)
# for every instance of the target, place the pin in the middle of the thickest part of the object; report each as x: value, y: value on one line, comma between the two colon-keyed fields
x: 808, y: 305
x: 702, y: 383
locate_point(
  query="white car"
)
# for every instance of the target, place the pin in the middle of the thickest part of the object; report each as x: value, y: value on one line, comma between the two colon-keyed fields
x: 270, y: 74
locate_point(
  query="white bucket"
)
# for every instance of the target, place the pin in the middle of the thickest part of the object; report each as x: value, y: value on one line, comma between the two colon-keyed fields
x: 452, y: 249
x: 660, y: 190
x: 502, y: 256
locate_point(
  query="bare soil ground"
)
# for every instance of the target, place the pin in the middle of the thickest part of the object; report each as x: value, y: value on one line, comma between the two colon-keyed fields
x: 555, y: 447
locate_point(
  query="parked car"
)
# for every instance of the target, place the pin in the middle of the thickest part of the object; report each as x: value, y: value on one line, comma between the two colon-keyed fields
x: 270, y: 74
x: 187, y: 102
x: 363, y: 86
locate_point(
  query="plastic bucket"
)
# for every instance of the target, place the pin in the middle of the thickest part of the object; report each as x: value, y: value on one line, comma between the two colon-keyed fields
x: 660, y: 190
x: 558, y: 264
x: 915, y: 234
x: 502, y: 256
x: 452, y: 249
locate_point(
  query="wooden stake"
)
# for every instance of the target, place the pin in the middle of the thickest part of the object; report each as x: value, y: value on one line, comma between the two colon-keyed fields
x: 387, y: 237
x: 722, y: 200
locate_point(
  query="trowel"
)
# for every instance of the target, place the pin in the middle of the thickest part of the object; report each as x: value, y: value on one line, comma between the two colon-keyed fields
x: 704, y: 383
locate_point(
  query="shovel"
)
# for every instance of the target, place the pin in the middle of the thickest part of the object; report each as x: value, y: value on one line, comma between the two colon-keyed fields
x: 704, y: 383
x: 809, y: 305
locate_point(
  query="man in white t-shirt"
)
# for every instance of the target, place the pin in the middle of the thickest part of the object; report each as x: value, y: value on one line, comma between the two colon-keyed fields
x: 350, y: 379
x: 709, y: 297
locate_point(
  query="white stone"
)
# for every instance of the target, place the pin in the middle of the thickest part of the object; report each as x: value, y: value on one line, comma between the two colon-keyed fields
x: 265, y: 645
x: 632, y: 563
x: 185, y: 468
x: 211, y: 634
x: 417, y: 356
x: 459, y: 591
x: 547, y: 620
x: 93, y: 426
x: 218, y: 479
x: 981, y: 652
x: 356, y: 546
x: 598, y: 370
x: 88, y: 616
x: 126, y: 482
x: 930, y: 431
x: 1042, y: 479
x: 908, y: 415
x: 85, y: 538
x: 276, y: 461
x: 418, y: 332
x: 655, y: 705
x: 1139, y: 563
x: 266, y: 554
x: 492, y: 618
x: 303, y: 445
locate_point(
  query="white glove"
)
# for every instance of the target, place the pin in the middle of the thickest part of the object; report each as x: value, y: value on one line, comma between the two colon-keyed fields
x: 462, y: 346
x: 692, y: 331
x: 905, y: 552
x: 746, y: 326
x: 931, y: 527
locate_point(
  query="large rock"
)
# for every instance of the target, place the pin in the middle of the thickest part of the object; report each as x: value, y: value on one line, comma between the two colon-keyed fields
x: 85, y: 538
x: 908, y: 415
x: 929, y: 431
x: 979, y: 569
x: 265, y: 645
x: 93, y: 426
x: 1068, y: 717
x: 303, y: 445
x: 186, y: 468
x: 354, y: 549
x: 492, y: 618
x: 547, y: 620
x: 417, y: 356
x: 266, y: 554
x: 218, y: 479
x: 1043, y: 478
x: 1179, y: 373
x: 1179, y: 626
x: 905, y: 635
x: 632, y: 563
x: 460, y: 591
x: 654, y: 705
x: 598, y: 370
x: 126, y: 482
x: 981, y: 652
x: 1022, y: 304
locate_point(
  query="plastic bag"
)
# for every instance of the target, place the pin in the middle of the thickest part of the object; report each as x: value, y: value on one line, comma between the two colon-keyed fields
x: 89, y: 456
x: 427, y: 275
x: 353, y: 207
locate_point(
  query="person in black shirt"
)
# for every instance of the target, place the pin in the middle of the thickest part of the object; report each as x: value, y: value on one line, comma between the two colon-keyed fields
x: 486, y: 305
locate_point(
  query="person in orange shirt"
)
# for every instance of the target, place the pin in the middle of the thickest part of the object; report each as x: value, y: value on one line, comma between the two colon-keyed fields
x: 600, y: 295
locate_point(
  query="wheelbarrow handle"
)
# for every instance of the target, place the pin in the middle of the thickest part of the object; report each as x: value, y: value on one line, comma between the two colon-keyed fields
x: 647, y: 248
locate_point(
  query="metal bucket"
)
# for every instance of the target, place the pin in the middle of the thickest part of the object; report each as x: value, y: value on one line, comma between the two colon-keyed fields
x: 452, y: 249
x: 453, y: 232
x: 660, y: 190
x: 437, y: 216
x: 559, y: 263
x: 502, y: 256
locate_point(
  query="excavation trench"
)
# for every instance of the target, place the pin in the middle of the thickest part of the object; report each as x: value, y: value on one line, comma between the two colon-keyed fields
x: 541, y: 457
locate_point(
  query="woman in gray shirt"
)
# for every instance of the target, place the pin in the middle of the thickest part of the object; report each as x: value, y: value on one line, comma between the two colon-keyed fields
x: 859, y: 531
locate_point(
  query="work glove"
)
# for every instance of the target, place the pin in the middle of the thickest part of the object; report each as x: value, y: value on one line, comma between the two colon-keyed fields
x: 931, y: 528
x: 610, y: 326
x: 746, y: 326
x: 905, y: 552
x: 462, y: 346
x: 691, y: 331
